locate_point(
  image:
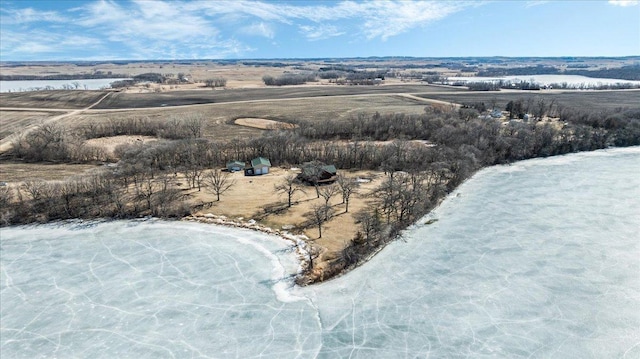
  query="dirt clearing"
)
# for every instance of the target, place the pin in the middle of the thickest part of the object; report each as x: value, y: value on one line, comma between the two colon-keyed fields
x: 15, y: 172
x: 263, y: 123
x: 109, y: 144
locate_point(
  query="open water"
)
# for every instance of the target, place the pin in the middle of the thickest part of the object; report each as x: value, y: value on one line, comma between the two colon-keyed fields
x: 34, y: 85
x: 540, y: 259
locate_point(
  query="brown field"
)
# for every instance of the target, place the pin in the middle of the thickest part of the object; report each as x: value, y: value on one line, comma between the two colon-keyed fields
x: 16, y: 172
x: 109, y: 144
x: 262, y: 124
x: 56, y: 99
x: 220, y: 117
x: 220, y: 107
x: 240, y: 202
x: 124, y: 100
x: 587, y: 100
x: 15, y: 121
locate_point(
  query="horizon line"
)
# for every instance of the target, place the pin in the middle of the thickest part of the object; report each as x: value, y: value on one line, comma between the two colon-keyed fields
x: 399, y: 57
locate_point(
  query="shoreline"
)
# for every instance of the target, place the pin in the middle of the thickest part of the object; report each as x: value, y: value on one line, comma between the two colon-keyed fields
x: 306, y: 275
x: 298, y: 240
x: 323, y: 270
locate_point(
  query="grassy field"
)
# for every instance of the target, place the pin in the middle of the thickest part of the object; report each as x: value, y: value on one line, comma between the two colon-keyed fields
x: 179, y: 98
x: 13, y: 121
x: 219, y: 108
x: 587, y: 100
x: 50, y: 99
x: 282, y: 104
x: 219, y: 117
x: 15, y: 172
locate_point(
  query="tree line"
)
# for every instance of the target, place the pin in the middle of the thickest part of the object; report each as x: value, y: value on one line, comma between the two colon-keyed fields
x: 289, y: 79
x: 53, y: 142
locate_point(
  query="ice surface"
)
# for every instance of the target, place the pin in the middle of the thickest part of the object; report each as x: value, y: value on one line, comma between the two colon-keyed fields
x: 535, y: 260
x: 149, y: 290
x: 571, y: 80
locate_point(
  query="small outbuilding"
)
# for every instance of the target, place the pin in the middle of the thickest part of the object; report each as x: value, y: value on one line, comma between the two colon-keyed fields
x: 236, y: 166
x: 259, y: 166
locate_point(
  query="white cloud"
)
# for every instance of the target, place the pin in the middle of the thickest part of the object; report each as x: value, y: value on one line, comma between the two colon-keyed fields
x: 34, y: 47
x: 146, y: 20
x: 259, y: 29
x: 381, y: 19
x: 157, y: 29
x: 389, y: 18
x: 260, y: 10
x: 188, y: 29
x: 533, y: 3
x: 321, y: 32
x: 624, y: 2
x: 42, y: 43
x: 29, y: 15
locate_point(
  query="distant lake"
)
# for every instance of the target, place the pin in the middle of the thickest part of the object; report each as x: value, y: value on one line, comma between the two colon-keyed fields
x: 33, y: 85
x: 571, y: 80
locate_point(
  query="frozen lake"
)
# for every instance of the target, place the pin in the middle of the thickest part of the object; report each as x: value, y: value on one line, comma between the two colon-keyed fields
x: 32, y: 85
x: 539, y: 259
x: 544, y: 80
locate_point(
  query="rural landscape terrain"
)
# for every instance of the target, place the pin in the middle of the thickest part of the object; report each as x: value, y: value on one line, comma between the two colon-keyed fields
x: 359, y: 149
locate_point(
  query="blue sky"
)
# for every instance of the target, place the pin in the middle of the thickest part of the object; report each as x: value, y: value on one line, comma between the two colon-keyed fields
x: 137, y: 30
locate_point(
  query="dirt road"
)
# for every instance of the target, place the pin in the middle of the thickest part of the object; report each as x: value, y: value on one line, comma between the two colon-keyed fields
x: 6, y: 143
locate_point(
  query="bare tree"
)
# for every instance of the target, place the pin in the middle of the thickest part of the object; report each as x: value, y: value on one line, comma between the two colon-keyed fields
x: 194, y: 125
x: 370, y: 223
x: 348, y: 186
x: 6, y: 199
x: 146, y: 190
x: 289, y: 187
x: 166, y: 196
x: 218, y: 182
x: 312, y: 254
x: 318, y: 215
x: 116, y: 196
x: 539, y: 109
x: 45, y: 142
x: 67, y: 191
x: 326, y: 192
x: 215, y: 82
x: 37, y: 189
x: 193, y: 174
x: 6, y: 196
